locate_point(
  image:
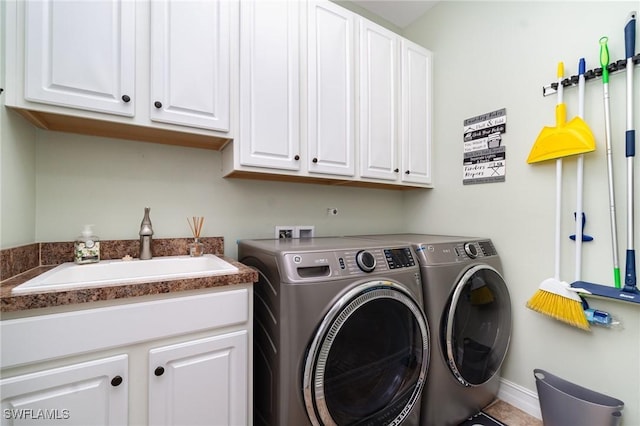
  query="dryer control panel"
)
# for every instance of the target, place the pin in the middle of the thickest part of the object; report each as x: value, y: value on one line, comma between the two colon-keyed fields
x: 456, y: 252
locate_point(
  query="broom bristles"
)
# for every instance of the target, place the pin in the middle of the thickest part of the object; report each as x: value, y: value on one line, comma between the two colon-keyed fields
x: 559, y: 307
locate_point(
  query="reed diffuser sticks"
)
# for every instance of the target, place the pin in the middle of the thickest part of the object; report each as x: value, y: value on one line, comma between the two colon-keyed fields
x: 196, y: 248
x: 195, y: 223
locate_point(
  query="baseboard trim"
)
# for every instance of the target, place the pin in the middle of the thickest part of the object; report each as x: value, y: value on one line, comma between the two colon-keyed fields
x: 520, y: 397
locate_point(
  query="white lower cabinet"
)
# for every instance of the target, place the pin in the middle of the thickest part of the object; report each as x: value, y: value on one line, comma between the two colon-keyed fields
x: 171, y: 361
x: 202, y: 381
x: 82, y: 394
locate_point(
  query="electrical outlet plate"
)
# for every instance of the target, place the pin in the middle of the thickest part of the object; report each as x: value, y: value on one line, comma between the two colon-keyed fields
x: 304, y: 231
x: 284, y: 231
x: 298, y: 231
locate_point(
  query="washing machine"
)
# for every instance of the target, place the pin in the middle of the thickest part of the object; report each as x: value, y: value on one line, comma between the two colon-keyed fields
x: 340, y: 335
x: 467, y: 304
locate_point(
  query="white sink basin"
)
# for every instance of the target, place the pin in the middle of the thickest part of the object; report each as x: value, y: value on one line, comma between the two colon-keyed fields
x: 112, y: 272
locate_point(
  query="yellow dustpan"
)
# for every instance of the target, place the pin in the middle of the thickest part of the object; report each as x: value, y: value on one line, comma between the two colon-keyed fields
x: 565, y: 139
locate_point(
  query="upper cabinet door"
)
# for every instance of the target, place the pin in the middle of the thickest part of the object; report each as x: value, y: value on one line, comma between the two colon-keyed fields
x: 416, y: 113
x: 270, y: 84
x: 190, y: 48
x: 81, y: 54
x: 331, y: 57
x: 379, y: 78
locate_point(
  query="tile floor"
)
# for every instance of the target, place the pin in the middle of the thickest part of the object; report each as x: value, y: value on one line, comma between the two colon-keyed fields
x: 511, y: 415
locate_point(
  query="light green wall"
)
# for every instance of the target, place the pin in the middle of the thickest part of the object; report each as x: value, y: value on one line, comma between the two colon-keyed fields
x: 17, y: 175
x: 17, y: 170
x: 108, y: 182
x: 492, y: 55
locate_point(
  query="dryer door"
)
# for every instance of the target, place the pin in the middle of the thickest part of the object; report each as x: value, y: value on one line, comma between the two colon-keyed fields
x: 368, y: 359
x: 477, y: 326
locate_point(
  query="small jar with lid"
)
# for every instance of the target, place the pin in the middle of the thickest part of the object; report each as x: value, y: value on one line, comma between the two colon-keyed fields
x: 87, y: 247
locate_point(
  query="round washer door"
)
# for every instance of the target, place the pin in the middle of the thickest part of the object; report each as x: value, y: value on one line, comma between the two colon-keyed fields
x: 477, y: 326
x: 368, y: 359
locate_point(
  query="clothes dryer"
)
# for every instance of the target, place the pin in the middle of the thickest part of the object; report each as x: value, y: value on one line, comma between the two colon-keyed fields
x: 340, y: 336
x: 468, y: 306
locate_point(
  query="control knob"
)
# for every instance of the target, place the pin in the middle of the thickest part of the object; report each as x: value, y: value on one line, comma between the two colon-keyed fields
x: 365, y: 261
x: 471, y: 250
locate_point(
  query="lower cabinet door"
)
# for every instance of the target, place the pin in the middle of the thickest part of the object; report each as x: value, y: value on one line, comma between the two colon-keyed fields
x: 200, y: 382
x: 82, y: 394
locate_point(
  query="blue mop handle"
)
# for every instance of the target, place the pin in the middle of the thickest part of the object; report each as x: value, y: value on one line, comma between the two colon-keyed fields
x: 630, y: 273
x: 629, y: 43
x: 630, y: 36
x: 630, y: 51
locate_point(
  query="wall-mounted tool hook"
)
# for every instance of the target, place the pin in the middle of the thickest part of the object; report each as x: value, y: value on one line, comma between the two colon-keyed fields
x: 585, y: 237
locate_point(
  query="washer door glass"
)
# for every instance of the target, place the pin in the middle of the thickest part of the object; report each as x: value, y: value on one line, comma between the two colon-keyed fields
x: 368, y: 360
x: 477, y: 326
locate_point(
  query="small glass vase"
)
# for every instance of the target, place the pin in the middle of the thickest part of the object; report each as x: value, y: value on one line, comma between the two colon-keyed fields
x: 196, y: 248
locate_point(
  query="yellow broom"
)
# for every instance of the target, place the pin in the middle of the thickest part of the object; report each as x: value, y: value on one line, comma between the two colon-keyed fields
x: 554, y: 297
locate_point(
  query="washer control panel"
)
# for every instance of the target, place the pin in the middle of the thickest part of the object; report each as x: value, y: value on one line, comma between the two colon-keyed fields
x: 395, y: 258
x: 370, y: 260
x: 399, y: 258
x: 349, y: 262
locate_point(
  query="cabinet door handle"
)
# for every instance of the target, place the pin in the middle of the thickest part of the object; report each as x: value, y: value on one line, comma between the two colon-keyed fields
x: 315, y: 160
x: 407, y: 172
x: 396, y: 170
x: 116, y: 381
x: 157, y: 104
x: 126, y: 99
x: 159, y: 371
x: 297, y: 157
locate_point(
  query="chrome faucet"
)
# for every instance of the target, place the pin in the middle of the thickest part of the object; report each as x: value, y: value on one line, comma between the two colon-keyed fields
x: 146, y: 232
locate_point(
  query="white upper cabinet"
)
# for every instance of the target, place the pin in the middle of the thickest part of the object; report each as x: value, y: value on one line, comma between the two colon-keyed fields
x: 379, y: 82
x: 269, y: 134
x: 287, y: 89
x: 81, y: 54
x: 297, y: 68
x: 331, y: 91
x: 190, y: 59
x: 158, y: 71
x: 416, y: 113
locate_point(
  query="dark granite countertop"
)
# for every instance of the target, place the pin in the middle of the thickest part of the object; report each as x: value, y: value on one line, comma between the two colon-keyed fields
x: 9, y: 302
x: 114, y: 250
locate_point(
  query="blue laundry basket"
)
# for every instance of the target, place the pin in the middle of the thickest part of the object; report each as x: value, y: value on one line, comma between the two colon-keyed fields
x: 564, y: 403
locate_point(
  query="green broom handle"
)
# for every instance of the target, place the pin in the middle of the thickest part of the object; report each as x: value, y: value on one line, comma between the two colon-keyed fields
x: 604, y: 59
x: 604, y: 63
